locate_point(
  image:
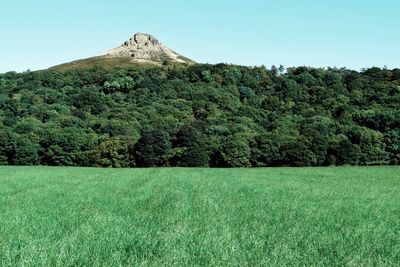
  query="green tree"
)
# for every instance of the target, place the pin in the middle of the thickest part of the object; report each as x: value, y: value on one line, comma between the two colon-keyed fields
x: 235, y: 152
x: 113, y: 153
x: 5, y: 149
x: 24, y: 151
x: 152, y: 147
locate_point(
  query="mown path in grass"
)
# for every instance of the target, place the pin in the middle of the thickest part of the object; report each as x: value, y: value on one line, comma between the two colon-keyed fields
x: 196, y: 217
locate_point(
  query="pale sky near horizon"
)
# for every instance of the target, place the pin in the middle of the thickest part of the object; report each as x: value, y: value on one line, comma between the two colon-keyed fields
x: 327, y: 33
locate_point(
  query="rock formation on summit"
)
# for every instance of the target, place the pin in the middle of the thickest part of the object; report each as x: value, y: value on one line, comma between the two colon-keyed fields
x: 144, y: 48
x: 140, y: 50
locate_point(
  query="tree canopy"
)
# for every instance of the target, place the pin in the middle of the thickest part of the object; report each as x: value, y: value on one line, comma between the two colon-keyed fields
x: 201, y: 115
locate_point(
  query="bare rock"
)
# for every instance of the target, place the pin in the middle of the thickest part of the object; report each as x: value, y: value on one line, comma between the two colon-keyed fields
x: 144, y: 47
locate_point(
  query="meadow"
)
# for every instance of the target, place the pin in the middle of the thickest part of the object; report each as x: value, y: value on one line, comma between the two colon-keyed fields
x: 56, y: 216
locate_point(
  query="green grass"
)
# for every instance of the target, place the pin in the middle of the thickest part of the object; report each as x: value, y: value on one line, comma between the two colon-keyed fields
x: 196, y: 217
x: 100, y: 62
x: 112, y: 62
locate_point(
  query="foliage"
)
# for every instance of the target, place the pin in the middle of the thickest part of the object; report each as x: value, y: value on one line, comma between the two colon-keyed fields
x: 200, y: 115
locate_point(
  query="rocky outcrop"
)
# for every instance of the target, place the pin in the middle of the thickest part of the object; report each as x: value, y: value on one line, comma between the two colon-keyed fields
x: 144, y: 47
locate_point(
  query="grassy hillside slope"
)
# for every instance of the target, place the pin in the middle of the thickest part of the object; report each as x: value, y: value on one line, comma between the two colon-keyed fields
x: 105, y: 62
x: 197, y: 217
x: 99, y: 62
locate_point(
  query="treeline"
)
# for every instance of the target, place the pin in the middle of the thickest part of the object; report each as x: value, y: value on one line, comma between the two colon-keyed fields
x: 201, y: 115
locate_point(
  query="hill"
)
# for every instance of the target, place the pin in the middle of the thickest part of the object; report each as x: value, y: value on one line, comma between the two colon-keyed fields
x: 141, y: 50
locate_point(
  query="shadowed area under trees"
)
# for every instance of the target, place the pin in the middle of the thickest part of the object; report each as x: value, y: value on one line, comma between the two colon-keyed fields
x: 201, y: 115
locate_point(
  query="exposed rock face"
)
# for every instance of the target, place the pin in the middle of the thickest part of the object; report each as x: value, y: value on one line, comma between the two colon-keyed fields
x: 144, y: 47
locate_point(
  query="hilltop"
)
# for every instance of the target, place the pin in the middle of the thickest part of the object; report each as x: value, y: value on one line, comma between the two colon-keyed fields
x: 141, y: 49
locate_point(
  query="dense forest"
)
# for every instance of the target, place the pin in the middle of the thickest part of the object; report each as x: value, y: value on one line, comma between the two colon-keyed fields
x: 200, y: 115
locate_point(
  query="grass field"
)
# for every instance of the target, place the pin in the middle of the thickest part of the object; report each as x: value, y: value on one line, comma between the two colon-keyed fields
x: 196, y: 217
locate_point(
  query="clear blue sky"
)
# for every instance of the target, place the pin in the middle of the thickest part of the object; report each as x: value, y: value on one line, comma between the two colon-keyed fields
x: 37, y: 34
